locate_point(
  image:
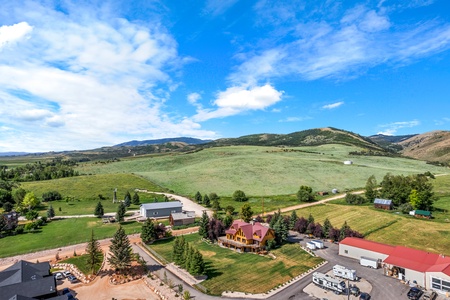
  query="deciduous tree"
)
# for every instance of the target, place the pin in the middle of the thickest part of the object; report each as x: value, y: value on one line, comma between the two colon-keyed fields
x: 305, y: 194
x: 239, y: 196
x: 371, y: 189
x: 30, y: 201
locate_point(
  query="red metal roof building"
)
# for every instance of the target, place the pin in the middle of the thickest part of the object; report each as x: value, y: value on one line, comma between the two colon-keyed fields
x: 429, y: 270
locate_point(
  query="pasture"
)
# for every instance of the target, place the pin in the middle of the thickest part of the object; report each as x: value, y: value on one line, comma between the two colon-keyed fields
x: 231, y: 271
x: 83, y: 192
x: 63, y: 232
x: 261, y: 171
x: 385, y: 226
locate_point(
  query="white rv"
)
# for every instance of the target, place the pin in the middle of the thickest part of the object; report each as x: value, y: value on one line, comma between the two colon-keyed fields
x: 369, y: 262
x: 343, y: 272
x: 319, y: 244
x: 329, y: 283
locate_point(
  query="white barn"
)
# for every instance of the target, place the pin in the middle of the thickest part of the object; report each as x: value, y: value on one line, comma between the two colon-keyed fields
x: 426, y: 269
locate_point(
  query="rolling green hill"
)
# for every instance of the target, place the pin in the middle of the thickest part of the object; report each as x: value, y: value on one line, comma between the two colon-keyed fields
x: 262, y: 170
x: 311, y: 137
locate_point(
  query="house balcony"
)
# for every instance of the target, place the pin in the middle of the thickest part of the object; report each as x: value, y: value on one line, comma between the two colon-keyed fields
x: 238, y: 245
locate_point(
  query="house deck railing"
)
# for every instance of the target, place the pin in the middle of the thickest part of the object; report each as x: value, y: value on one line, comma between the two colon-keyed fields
x: 224, y: 240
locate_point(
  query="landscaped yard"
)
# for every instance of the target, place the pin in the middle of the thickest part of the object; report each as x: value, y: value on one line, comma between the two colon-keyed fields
x: 60, y: 233
x: 81, y: 263
x: 244, y: 272
x: 84, y: 192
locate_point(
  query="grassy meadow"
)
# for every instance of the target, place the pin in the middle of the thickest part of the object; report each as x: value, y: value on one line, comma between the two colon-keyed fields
x: 231, y: 271
x: 261, y: 171
x: 59, y: 233
x: 386, y: 226
x: 84, y: 192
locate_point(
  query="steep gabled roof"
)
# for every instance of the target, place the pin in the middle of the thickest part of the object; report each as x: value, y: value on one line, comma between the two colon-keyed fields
x: 249, y: 230
x: 382, y: 201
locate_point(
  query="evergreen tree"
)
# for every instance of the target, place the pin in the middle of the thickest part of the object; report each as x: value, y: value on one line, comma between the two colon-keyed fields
x: 213, y: 196
x: 204, y: 221
x: 127, y: 201
x: 206, y: 201
x: 246, y: 212
x: 198, y: 197
x: 343, y: 233
x: 198, y: 265
x: 99, y: 212
x: 50, y: 212
x: 310, y: 219
x: 326, y: 228
x: 293, y: 219
x: 371, y: 189
x: 94, y: 253
x: 215, y: 205
x: 135, y: 199
x: 178, y: 250
x: 120, y: 251
x: 148, y: 233
x: 188, y: 254
x: 227, y: 221
x: 120, y: 214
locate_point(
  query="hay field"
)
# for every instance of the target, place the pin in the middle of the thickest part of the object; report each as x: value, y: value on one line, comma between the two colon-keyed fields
x: 261, y: 170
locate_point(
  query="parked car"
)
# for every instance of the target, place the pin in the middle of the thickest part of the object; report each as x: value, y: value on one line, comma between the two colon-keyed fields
x: 414, y: 293
x: 58, y: 276
x: 65, y: 291
x: 430, y: 295
x: 72, y: 278
x: 364, y: 296
x: 67, y: 273
x: 354, y: 290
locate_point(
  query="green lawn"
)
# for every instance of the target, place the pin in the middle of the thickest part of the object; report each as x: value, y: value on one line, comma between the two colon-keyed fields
x: 244, y: 272
x: 261, y: 171
x: 84, y: 191
x: 81, y: 263
x: 61, y: 233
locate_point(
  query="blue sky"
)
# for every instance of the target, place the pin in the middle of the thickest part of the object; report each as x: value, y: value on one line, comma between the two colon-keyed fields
x: 85, y: 74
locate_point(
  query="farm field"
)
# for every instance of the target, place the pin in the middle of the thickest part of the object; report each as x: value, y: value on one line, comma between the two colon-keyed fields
x: 231, y: 271
x: 59, y: 233
x: 84, y: 192
x: 261, y: 171
x: 401, y: 229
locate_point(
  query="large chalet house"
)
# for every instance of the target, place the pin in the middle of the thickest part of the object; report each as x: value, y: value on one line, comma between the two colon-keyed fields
x: 246, y: 237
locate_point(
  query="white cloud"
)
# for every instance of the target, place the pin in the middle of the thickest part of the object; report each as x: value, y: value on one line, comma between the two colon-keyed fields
x: 193, y: 99
x: 238, y: 99
x: 333, y: 105
x: 294, y: 119
x: 83, y: 80
x: 13, y: 33
x: 335, y: 44
x: 392, y: 128
x: 218, y: 7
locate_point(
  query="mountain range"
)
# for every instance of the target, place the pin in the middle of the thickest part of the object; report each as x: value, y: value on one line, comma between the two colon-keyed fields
x: 431, y: 146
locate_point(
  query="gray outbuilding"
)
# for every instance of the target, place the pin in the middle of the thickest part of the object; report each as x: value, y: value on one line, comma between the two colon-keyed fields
x: 160, y: 209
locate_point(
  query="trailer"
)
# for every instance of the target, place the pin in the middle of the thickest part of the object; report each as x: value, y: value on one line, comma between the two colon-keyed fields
x: 369, y: 262
x: 328, y: 282
x: 343, y: 272
x: 319, y: 244
x: 311, y: 246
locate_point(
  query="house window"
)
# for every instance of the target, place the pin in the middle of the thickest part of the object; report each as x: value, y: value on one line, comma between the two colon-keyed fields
x: 243, y: 240
x: 346, y: 251
x: 155, y: 213
x: 174, y: 211
x: 439, y: 284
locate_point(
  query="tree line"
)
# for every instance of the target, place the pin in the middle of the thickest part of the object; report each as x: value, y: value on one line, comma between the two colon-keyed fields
x: 56, y: 168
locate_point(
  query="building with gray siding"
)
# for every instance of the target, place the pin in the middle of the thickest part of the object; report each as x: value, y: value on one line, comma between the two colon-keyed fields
x: 160, y: 209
